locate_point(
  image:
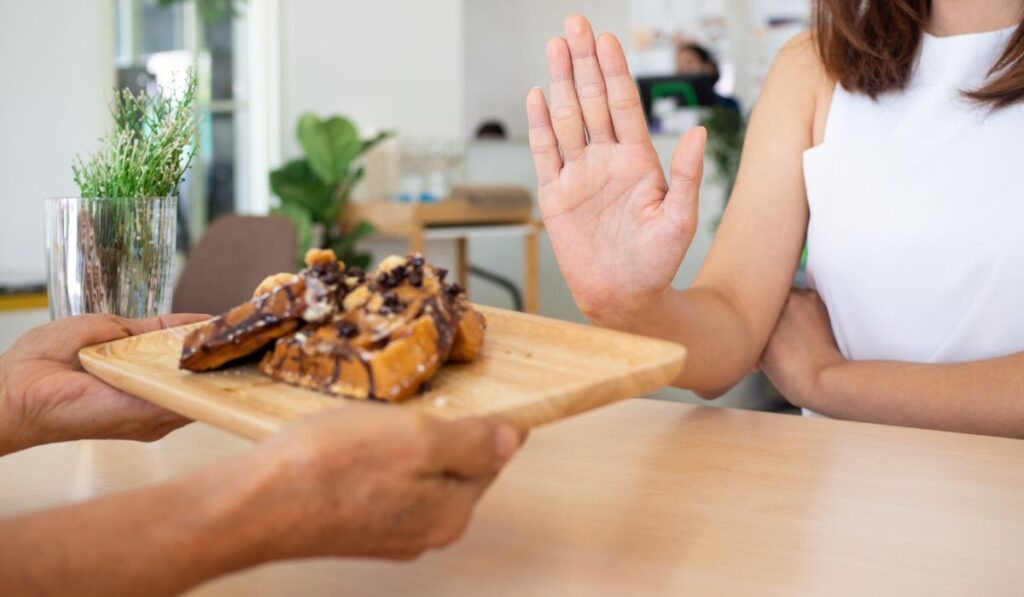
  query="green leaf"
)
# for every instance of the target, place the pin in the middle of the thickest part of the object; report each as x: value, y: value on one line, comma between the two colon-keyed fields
x: 342, y: 191
x: 360, y: 260
x: 212, y: 11
x: 303, y: 227
x: 297, y: 185
x: 331, y: 146
x: 369, y: 144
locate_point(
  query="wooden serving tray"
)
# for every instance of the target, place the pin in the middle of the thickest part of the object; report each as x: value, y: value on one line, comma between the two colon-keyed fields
x: 532, y: 371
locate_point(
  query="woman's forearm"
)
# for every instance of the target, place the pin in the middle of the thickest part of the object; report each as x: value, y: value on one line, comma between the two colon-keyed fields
x: 155, y: 541
x: 985, y: 397
x: 721, y: 348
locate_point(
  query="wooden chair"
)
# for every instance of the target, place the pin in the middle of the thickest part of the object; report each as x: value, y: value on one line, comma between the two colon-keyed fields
x: 231, y: 259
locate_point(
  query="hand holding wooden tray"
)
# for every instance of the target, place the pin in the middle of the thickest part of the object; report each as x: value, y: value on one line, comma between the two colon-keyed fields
x: 532, y: 371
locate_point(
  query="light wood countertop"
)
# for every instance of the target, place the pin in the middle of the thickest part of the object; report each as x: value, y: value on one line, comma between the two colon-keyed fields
x: 651, y: 497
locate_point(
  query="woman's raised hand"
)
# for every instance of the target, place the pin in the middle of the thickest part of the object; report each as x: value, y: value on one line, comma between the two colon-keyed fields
x: 618, y: 228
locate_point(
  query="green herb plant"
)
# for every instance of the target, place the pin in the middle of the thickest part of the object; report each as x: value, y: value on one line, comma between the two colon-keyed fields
x: 126, y: 214
x: 315, y: 190
x: 149, y: 149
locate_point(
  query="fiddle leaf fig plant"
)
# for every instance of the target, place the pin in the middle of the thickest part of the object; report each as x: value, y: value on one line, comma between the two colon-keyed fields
x: 314, y: 190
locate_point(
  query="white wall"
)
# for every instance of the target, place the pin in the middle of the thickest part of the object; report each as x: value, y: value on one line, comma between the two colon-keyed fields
x: 391, y: 64
x: 57, y: 73
x: 505, y: 44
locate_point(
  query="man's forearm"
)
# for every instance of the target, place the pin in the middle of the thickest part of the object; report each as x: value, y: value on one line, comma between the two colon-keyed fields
x: 985, y: 397
x: 154, y: 541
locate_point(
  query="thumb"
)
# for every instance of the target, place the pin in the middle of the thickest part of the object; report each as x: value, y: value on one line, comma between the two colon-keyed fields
x: 683, y: 195
x: 474, y: 447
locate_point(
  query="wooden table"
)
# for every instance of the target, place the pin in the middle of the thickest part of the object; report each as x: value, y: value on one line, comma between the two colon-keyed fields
x: 657, y: 498
x: 458, y: 219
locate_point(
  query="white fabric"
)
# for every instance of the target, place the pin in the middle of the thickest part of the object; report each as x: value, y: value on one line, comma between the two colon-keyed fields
x: 916, y: 233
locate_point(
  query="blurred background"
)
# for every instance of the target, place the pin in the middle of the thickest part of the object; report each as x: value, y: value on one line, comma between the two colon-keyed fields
x: 439, y: 83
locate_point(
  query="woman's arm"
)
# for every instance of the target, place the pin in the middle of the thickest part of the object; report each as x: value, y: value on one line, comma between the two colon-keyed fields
x: 985, y: 397
x: 802, y: 360
x: 620, y: 229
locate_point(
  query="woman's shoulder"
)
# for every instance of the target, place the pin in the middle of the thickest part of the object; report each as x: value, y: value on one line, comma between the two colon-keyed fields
x: 799, y: 78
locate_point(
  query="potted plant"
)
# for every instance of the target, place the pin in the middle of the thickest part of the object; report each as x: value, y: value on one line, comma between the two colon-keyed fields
x: 726, y: 129
x: 111, y: 249
x: 314, y: 190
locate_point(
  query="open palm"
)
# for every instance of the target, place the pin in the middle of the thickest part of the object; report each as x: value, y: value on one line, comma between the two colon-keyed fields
x: 619, y: 229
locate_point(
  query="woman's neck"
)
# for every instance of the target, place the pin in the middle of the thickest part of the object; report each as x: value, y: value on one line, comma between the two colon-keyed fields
x: 959, y: 17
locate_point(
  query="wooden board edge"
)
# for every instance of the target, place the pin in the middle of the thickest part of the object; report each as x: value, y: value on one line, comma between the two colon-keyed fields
x: 655, y: 376
x: 669, y: 363
x: 242, y: 423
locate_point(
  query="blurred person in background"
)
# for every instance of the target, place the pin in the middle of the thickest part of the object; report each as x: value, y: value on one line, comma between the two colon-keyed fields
x: 694, y: 59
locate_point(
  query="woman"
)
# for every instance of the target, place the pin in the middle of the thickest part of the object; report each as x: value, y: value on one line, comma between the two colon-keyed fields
x: 887, y: 140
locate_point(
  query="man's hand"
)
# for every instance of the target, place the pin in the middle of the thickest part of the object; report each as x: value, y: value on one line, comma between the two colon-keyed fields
x: 371, y: 481
x: 365, y: 480
x: 619, y: 229
x: 801, y: 347
x: 46, y: 397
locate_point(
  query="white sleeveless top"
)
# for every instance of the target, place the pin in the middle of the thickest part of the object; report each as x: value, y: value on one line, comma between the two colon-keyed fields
x: 916, y: 233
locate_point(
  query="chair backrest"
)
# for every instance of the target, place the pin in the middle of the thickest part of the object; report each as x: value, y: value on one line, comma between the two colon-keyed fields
x: 231, y: 259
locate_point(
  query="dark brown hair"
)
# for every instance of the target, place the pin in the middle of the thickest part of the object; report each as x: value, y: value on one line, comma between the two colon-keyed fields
x: 870, y: 46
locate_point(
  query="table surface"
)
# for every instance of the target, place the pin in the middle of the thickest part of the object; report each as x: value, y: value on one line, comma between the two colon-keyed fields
x: 649, y: 497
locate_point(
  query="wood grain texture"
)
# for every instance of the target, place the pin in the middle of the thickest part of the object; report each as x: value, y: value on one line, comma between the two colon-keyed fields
x: 533, y: 371
x: 390, y: 218
x: 653, y: 498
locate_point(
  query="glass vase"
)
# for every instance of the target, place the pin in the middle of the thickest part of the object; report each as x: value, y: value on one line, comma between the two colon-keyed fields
x: 113, y: 256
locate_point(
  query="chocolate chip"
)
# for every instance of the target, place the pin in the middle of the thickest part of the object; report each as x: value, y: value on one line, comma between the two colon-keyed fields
x: 391, y: 305
x: 356, y: 272
x: 328, y: 273
x: 348, y: 330
x: 416, y: 278
x: 417, y: 261
x: 441, y: 273
x: 386, y: 280
x: 454, y: 289
x: 425, y: 387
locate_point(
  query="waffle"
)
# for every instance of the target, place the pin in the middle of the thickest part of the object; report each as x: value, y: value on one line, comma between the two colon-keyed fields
x: 280, y: 305
x: 380, y: 337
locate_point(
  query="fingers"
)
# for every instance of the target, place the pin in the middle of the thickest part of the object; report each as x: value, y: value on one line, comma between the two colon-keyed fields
x: 589, y: 82
x: 543, y: 143
x: 687, y: 170
x: 469, y: 448
x: 627, y: 114
x: 566, y: 115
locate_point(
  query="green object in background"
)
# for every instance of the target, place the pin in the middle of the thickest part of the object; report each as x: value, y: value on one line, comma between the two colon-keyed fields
x: 211, y: 11
x: 726, y: 129
x: 675, y: 89
x: 314, y: 190
x: 150, y: 148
